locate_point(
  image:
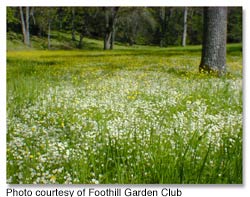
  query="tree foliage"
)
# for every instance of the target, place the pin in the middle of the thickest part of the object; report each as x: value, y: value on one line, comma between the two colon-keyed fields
x: 162, y: 26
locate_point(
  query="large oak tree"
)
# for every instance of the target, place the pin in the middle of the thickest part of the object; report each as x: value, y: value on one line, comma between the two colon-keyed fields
x: 213, y: 58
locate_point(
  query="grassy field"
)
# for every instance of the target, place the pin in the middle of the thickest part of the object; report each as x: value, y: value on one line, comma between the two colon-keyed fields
x: 132, y: 115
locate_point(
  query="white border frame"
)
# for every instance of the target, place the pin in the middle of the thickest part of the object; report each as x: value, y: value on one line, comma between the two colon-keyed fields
x: 187, y: 190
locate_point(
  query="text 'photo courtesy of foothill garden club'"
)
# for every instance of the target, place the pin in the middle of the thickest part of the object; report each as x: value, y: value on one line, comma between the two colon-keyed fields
x: 124, y: 95
x: 94, y: 192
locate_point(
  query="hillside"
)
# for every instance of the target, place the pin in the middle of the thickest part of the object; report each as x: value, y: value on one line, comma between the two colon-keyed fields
x: 63, y: 41
x: 59, y: 41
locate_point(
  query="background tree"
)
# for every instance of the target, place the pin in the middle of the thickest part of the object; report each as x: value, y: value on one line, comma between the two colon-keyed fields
x: 60, y: 15
x: 50, y: 15
x: 195, y: 26
x: 163, y: 19
x: 135, y: 25
x: 184, y: 35
x: 85, y: 23
x: 41, y: 16
x: 169, y: 26
x: 25, y: 25
x: 45, y: 19
x: 73, y: 29
x: 162, y: 26
x: 234, y: 24
x: 214, y: 40
x: 12, y: 19
x: 110, y: 21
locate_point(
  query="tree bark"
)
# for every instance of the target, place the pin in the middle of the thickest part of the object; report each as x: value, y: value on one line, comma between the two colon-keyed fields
x: 163, y: 22
x: 184, y: 36
x: 49, y: 29
x: 84, y: 31
x: 110, y: 21
x: 25, y: 26
x: 112, y: 41
x: 32, y: 15
x: 28, y: 25
x: 165, y: 15
x: 213, y: 58
x: 49, y: 26
x: 107, y: 36
x: 80, y: 41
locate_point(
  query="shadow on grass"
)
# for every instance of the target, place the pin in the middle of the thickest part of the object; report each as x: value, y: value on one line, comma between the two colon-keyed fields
x: 27, y: 63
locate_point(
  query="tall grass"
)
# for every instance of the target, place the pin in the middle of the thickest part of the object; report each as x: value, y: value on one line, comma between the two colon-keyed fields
x: 140, y: 115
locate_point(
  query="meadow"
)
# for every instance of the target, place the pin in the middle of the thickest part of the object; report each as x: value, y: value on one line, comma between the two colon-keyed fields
x: 133, y: 115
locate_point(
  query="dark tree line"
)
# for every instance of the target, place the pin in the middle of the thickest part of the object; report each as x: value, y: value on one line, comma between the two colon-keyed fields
x: 162, y: 26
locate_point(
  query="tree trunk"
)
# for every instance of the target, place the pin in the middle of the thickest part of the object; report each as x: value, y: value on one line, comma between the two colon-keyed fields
x: 214, y: 40
x: 107, y: 29
x: 184, y: 36
x: 112, y: 42
x: 49, y: 29
x: 80, y: 41
x: 110, y: 20
x: 165, y: 15
x: 32, y: 15
x: 25, y: 26
x: 163, y: 22
x: 107, y: 40
x: 28, y: 25
x: 84, y: 31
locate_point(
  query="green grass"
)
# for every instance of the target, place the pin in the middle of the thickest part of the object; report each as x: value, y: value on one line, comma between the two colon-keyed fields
x: 132, y: 115
x: 58, y: 41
